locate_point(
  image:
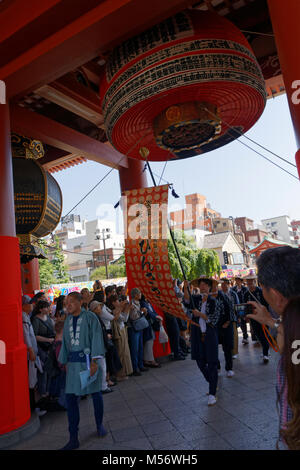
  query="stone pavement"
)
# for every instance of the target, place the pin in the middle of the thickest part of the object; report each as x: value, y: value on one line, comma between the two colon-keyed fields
x: 167, y: 409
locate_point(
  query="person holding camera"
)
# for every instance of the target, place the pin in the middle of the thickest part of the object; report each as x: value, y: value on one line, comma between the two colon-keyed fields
x: 98, y: 291
x: 255, y: 292
x: 279, y: 278
x: 155, y: 322
x: 120, y: 310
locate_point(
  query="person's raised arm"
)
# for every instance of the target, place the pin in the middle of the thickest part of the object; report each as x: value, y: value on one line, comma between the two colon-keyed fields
x: 261, y: 314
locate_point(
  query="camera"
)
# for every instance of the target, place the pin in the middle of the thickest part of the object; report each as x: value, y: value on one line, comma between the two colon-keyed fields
x: 243, y: 309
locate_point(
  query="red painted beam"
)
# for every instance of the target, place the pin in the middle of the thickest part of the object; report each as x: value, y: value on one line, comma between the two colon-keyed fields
x: 17, y: 15
x: 62, y: 137
x: 100, y: 29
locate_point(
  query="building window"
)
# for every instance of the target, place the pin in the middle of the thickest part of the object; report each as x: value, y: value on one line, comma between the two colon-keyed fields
x: 78, y: 231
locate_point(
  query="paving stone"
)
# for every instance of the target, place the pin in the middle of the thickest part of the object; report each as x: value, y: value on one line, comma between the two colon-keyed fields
x: 201, y: 432
x: 127, y: 422
x: 211, y: 443
x: 159, y: 427
x: 183, y: 446
x: 246, y: 440
x: 128, y: 434
x: 166, y: 440
x: 148, y: 418
x: 223, y: 426
x: 139, y: 444
x: 186, y: 420
x: 170, y: 405
x: 266, y: 428
x: 144, y: 408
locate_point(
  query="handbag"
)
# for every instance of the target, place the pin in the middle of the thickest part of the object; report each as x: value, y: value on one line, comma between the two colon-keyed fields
x: 155, y: 324
x: 163, y: 337
x: 140, y: 324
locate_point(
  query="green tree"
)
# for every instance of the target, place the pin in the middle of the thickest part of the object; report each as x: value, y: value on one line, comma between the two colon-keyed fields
x: 114, y: 271
x: 45, y: 268
x: 196, y: 262
x: 58, y: 263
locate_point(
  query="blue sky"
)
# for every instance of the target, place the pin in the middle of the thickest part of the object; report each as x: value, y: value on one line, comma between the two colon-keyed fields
x: 236, y: 181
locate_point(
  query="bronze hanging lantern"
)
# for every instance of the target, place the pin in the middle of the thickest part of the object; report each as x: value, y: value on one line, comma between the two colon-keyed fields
x: 38, y: 197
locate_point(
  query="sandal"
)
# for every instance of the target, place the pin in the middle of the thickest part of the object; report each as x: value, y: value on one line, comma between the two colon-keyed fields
x: 111, y: 384
x: 154, y: 365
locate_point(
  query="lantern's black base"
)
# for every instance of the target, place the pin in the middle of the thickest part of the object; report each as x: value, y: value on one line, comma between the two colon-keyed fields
x: 18, y: 435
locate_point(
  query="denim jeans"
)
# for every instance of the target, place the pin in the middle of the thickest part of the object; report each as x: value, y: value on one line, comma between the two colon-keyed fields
x: 135, y: 339
x: 73, y: 411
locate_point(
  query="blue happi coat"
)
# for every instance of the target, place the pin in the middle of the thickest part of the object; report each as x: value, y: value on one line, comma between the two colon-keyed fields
x: 88, y: 337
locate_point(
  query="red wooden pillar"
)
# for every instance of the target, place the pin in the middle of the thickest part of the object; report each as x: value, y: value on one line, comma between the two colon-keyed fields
x: 14, y: 395
x: 133, y: 177
x: 285, y: 20
x: 30, y: 277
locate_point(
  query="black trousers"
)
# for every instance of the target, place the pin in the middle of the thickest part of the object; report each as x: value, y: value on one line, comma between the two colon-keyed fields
x: 207, y: 359
x: 226, y: 339
x: 173, y: 333
x: 258, y: 332
x: 243, y: 326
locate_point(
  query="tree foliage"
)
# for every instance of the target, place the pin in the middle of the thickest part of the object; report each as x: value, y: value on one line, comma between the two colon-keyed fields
x: 196, y: 262
x: 114, y: 271
x: 45, y: 268
x: 55, y: 271
x: 59, y: 268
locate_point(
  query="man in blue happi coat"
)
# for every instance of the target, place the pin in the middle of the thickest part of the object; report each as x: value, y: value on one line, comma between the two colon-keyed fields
x: 82, y: 345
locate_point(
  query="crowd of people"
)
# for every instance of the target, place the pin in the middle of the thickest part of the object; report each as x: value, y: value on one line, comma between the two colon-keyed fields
x: 127, y: 332
x: 113, y: 337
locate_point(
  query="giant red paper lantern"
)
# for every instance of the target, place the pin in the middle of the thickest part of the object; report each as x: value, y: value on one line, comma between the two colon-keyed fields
x: 187, y: 86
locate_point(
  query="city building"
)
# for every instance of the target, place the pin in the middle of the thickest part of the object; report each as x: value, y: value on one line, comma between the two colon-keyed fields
x: 196, y: 215
x: 281, y: 227
x: 253, y: 235
x: 296, y: 231
x: 81, y: 238
x: 230, y: 252
x: 198, y: 235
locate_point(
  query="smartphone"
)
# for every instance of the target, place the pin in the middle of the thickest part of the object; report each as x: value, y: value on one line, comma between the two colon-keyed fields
x: 243, y: 309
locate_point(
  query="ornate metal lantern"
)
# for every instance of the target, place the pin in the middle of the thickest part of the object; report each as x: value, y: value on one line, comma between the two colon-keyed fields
x: 38, y: 198
x: 187, y: 86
